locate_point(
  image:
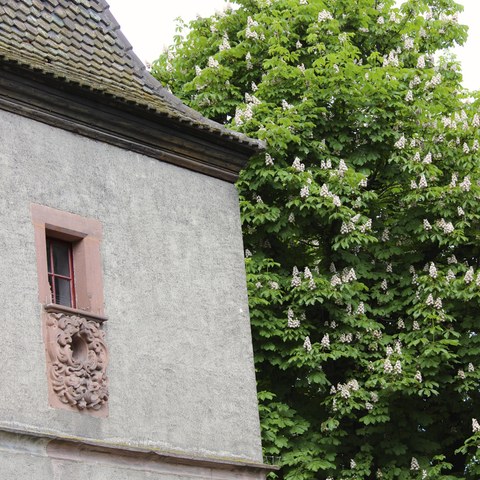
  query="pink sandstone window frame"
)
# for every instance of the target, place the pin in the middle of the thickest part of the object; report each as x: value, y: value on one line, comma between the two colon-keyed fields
x: 85, y: 236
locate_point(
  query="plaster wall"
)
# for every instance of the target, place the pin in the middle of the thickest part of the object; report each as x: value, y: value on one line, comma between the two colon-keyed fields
x: 181, y: 370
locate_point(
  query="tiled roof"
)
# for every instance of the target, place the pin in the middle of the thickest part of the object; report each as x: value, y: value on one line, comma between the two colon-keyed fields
x: 80, y: 42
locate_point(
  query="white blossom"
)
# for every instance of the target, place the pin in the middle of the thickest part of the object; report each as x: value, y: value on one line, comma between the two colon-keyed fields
x: 384, y: 285
x: 366, y: 226
x: 438, y: 303
x: 248, y: 60
x: 387, y: 366
x: 307, y: 345
x: 471, y: 368
x: 346, y: 338
x: 249, y: 33
x: 452, y: 260
x: 415, y: 326
x: 304, y: 191
x: 453, y: 182
x: 426, y: 224
x: 461, y: 374
x: 325, y: 342
x: 447, y: 227
x: 475, y: 425
x: 291, y: 217
x: 418, y: 376
x: 413, y: 185
x: 225, y: 45
x: 342, y: 167
x: 326, y: 165
x: 414, y: 464
x: 363, y: 182
x: 212, y: 63
x: 421, y: 61
x: 400, y: 324
x: 296, y: 281
x: 468, y: 278
x: 298, y: 44
x: 416, y: 80
x: 268, y: 160
x: 466, y: 149
x: 466, y: 184
x: 423, y: 182
x: 292, y: 321
x: 380, y: 20
x: 335, y: 280
x: 408, y: 43
x: 348, y: 275
x: 428, y: 159
x: 460, y: 211
x: 353, y: 464
x: 400, y: 143
x: 397, y: 368
x: 450, y: 276
x: 391, y: 59
x: 409, y: 96
x: 298, y: 165
x: 324, y: 15
x: 360, y: 309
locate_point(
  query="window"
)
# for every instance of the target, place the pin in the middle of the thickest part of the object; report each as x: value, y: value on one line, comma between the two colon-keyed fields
x: 69, y: 264
x: 60, y: 272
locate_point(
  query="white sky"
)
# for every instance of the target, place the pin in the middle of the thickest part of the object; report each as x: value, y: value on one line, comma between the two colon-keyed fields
x: 149, y: 25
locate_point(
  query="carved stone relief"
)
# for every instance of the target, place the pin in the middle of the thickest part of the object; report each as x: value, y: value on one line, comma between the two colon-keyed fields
x: 78, y: 359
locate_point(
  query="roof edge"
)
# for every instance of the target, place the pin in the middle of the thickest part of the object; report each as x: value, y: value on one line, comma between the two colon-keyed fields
x: 125, y: 125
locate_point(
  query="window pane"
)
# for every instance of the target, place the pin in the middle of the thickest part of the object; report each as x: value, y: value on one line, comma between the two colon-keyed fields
x: 62, y: 291
x: 61, y: 264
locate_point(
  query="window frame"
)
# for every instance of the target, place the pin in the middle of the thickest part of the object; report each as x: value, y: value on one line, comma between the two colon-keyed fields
x: 84, y: 235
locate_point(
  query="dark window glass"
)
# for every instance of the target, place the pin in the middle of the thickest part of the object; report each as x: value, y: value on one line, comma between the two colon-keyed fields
x: 60, y: 272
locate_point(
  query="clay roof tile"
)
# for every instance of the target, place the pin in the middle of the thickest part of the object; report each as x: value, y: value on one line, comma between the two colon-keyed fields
x: 80, y: 41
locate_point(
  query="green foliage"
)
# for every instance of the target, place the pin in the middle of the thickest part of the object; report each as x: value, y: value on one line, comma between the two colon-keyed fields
x: 361, y: 223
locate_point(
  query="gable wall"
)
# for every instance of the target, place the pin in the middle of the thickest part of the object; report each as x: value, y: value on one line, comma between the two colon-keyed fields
x: 180, y: 370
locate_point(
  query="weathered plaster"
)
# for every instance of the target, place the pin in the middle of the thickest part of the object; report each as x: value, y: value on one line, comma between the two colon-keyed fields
x: 180, y: 370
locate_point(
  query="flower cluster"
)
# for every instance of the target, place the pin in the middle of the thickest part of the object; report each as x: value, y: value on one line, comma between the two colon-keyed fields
x: 324, y: 15
x: 298, y: 165
x: 292, y: 321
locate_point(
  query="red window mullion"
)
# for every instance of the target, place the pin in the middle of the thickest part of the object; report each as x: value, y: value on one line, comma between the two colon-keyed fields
x: 52, y: 275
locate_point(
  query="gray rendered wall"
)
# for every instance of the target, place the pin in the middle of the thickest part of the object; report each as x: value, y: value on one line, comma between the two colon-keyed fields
x: 181, y: 370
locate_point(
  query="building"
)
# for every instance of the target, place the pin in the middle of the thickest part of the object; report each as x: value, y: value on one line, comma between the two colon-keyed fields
x: 126, y: 347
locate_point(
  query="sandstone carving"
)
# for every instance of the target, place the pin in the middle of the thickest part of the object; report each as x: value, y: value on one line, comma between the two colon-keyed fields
x: 78, y: 361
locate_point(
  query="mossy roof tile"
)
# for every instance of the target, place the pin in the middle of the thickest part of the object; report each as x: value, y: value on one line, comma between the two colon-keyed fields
x: 80, y: 41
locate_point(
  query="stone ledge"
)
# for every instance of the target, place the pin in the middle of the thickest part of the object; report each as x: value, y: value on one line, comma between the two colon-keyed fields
x: 125, y: 456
